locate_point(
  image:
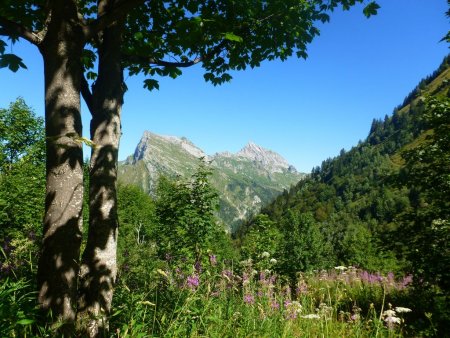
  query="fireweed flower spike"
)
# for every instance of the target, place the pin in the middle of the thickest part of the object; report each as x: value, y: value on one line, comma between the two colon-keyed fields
x: 249, y: 299
x: 192, y: 282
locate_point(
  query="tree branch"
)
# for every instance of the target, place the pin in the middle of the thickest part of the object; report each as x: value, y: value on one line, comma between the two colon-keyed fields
x: 87, y: 95
x: 151, y: 61
x: 11, y: 28
x: 119, y: 12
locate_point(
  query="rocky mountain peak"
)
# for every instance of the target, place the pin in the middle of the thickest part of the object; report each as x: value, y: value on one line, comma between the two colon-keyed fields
x: 161, y: 148
x: 244, y: 180
x: 152, y: 142
x: 265, y: 157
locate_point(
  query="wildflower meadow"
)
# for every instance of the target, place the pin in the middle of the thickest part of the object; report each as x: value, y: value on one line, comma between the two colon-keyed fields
x: 232, y: 299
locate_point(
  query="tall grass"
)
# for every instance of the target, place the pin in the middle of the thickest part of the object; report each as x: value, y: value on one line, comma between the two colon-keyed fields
x: 219, y: 300
x: 234, y: 300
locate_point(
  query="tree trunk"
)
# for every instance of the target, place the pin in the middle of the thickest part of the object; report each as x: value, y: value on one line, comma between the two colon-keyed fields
x: 59, y: 261
x: 98, y: 269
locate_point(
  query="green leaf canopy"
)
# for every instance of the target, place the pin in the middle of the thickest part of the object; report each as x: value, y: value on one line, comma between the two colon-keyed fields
x: 162, y: 36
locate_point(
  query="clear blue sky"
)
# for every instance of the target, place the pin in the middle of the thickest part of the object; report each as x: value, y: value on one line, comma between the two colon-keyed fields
x: 357, y: 70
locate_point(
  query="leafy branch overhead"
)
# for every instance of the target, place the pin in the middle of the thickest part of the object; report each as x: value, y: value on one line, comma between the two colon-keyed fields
x: 160, y: 38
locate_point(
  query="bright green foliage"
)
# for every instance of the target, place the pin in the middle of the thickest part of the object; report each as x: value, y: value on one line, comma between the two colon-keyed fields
x: 154, y: 38
x: 187, y: 223
x: 22, y: 168
x: 22, y: 187
x: 22, y: 184
x: 303, y: 246
x: 17, y: 308
x: 162, y: 37
x: 223, y: 35
x: 427, y: 172
x: 136, y: 208
x: 262, y: 237
x: 136, y: 246
x: 21, y: 135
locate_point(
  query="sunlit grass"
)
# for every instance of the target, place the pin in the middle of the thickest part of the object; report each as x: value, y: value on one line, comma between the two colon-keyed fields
x: 221, y: 301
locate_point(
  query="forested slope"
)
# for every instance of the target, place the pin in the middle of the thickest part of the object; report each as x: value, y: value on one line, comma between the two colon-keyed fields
x: 358, y: 200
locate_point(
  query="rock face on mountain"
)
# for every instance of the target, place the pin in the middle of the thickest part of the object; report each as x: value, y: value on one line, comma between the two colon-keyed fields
x: 151, y: 142
x: 245, y: 181
x: 266, y: 159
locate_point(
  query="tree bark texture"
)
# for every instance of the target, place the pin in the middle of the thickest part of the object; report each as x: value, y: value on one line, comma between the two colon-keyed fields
x: 59, y: 261
x: 98, y: 269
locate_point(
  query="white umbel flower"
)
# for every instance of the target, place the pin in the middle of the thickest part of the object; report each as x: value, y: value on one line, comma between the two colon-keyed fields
x: 311, y: 316
x: 400, y: 309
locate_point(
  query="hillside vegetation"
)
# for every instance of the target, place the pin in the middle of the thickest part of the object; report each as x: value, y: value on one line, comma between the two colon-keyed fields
x: 360, y: 248
x: 382, y: 205
x: 245, y: 181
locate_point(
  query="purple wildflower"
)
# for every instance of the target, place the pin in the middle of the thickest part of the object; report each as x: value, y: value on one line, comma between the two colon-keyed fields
x: 274, y: 305
x: 227, y: 273
x: 372, y: 279
x: 379, y: 277
x: 262, y: 276
x: 286, y: 291
x: 272, y: 279
x: 198, y: 266
x: 302, y: 289
x: 406, y: 281
x: 213, y: 260
x: 192, y: 282
x: 291, y: 315
x: 355, y: 317
x: 249, y: 299
x: 245, y: 279
x: 390, y: 278
x: 364, y: 276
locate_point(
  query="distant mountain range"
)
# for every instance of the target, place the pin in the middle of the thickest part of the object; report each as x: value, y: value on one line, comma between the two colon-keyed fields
x: 246, y: 180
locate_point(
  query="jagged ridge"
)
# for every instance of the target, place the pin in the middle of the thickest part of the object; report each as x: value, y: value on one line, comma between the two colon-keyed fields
x: 246, y: 180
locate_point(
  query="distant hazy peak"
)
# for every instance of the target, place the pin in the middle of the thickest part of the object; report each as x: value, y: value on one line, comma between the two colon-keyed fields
x: 266, y: 157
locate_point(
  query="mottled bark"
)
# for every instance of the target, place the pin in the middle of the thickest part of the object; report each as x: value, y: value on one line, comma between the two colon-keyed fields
x: 59, y: 261
x: 98, y: 269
